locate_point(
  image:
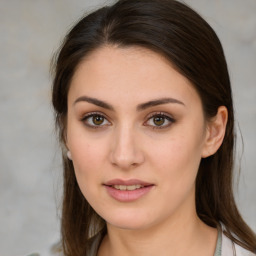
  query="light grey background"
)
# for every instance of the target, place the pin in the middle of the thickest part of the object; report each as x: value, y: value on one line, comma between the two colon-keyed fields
x: 30, y: 169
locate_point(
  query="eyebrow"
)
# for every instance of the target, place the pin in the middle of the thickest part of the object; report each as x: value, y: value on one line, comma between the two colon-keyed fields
x: 157, y: 102
x: 140, y: 107
x: 94, y: 101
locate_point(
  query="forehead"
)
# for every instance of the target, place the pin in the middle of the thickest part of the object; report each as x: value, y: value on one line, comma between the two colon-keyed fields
x: 134, y: 72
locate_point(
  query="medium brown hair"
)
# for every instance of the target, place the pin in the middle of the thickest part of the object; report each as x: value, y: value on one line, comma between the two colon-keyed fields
x: 178, y: 33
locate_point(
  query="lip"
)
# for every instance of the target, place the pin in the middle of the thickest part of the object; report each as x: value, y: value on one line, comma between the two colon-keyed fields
x: 127, y: 195
x: 127, y: 182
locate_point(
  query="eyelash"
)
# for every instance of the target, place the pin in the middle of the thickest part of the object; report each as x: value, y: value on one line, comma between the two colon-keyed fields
x: 94, y: 114
x: 167, y: 117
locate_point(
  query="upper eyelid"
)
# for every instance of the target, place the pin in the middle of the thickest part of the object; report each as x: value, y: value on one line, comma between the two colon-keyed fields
x: 86, y: 116
x: 160, y: 113
x: 89, y: 114
x: 167, y: 116
x: 149, y: 116
x: 107, y: 117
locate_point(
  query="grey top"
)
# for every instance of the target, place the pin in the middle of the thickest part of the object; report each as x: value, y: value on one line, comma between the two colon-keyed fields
x: 96, y: 243
x: 219, y: 244
x: 224, y: 246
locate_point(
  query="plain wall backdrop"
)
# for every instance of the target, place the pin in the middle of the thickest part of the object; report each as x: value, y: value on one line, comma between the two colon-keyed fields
x: 30, y: 167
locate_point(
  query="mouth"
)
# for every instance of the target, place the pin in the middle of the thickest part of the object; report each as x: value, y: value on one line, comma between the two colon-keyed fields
x: 129, y: 190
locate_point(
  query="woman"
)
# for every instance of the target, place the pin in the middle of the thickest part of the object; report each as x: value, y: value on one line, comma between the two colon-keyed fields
x: 144, y: 110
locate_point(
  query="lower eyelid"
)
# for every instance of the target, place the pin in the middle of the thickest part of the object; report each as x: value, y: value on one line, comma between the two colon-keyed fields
x: 171, y: 119
x: 85, y: 118
x: 168, y: 118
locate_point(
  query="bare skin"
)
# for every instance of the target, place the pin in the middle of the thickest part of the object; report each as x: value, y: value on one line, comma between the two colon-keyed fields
x: 197, y: 240
x: 114, y: 131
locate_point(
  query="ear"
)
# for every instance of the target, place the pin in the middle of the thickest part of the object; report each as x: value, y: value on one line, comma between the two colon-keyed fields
x: 215, y: 132
x: 66, y: 144
x: 69, y: 156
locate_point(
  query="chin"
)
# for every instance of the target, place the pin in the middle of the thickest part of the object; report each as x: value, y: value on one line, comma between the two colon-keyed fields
x: 131, y: 225
x: 131, y: 220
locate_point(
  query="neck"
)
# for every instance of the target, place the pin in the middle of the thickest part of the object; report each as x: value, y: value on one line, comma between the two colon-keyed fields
x: 184, y: 235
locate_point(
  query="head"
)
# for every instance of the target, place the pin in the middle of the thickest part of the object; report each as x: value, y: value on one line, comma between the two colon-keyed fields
x: 175, y: 39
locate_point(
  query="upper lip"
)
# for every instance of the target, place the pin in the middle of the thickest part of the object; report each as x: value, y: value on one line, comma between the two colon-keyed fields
x: 127, y: 182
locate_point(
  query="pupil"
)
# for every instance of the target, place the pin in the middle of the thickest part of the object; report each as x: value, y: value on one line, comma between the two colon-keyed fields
x: 98, y: 120
x: 158, y: 120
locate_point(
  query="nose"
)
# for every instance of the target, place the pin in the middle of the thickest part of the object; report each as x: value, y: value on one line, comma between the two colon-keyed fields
x: 125, y: 151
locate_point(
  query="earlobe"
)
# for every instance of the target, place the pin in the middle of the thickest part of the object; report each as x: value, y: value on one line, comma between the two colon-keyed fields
x: 69, y: 155
x: 216, y: 129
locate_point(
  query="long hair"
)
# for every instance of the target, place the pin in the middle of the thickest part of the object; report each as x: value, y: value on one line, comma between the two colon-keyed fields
x: 178, y: 33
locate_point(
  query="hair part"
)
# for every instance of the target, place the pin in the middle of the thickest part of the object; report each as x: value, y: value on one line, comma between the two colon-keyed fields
x: 178, y: 33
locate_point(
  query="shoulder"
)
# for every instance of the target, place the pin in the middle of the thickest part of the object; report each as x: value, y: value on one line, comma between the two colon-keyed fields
x: 54, y: 250
x: 48, y: 254
x: 228, y: 247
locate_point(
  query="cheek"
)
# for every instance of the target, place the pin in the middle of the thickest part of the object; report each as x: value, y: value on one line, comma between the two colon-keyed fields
x: 86, y: 149
x: 176, y: 166
x: 87, y: 170
x: 88, y: 158
x: 178, y: 159
x: 176, y: 151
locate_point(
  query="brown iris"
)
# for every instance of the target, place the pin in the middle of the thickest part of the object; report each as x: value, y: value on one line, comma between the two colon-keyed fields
x: 158, y: 120
x: 98, y: 120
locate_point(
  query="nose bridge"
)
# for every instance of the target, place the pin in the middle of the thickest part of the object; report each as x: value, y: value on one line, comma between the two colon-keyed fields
x: 125, y: 151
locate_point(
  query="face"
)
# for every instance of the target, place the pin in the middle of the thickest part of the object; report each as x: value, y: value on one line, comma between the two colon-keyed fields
x: 136, y: 133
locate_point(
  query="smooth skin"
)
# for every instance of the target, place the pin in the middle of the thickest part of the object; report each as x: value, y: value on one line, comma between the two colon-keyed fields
x: 131, y: 115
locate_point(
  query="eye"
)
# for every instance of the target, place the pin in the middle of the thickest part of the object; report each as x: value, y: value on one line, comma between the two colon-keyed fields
x: 159, y: 121
x: 95, y: 120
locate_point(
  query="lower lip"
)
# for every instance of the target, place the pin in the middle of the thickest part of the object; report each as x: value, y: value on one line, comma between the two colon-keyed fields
x: 128, y: 195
